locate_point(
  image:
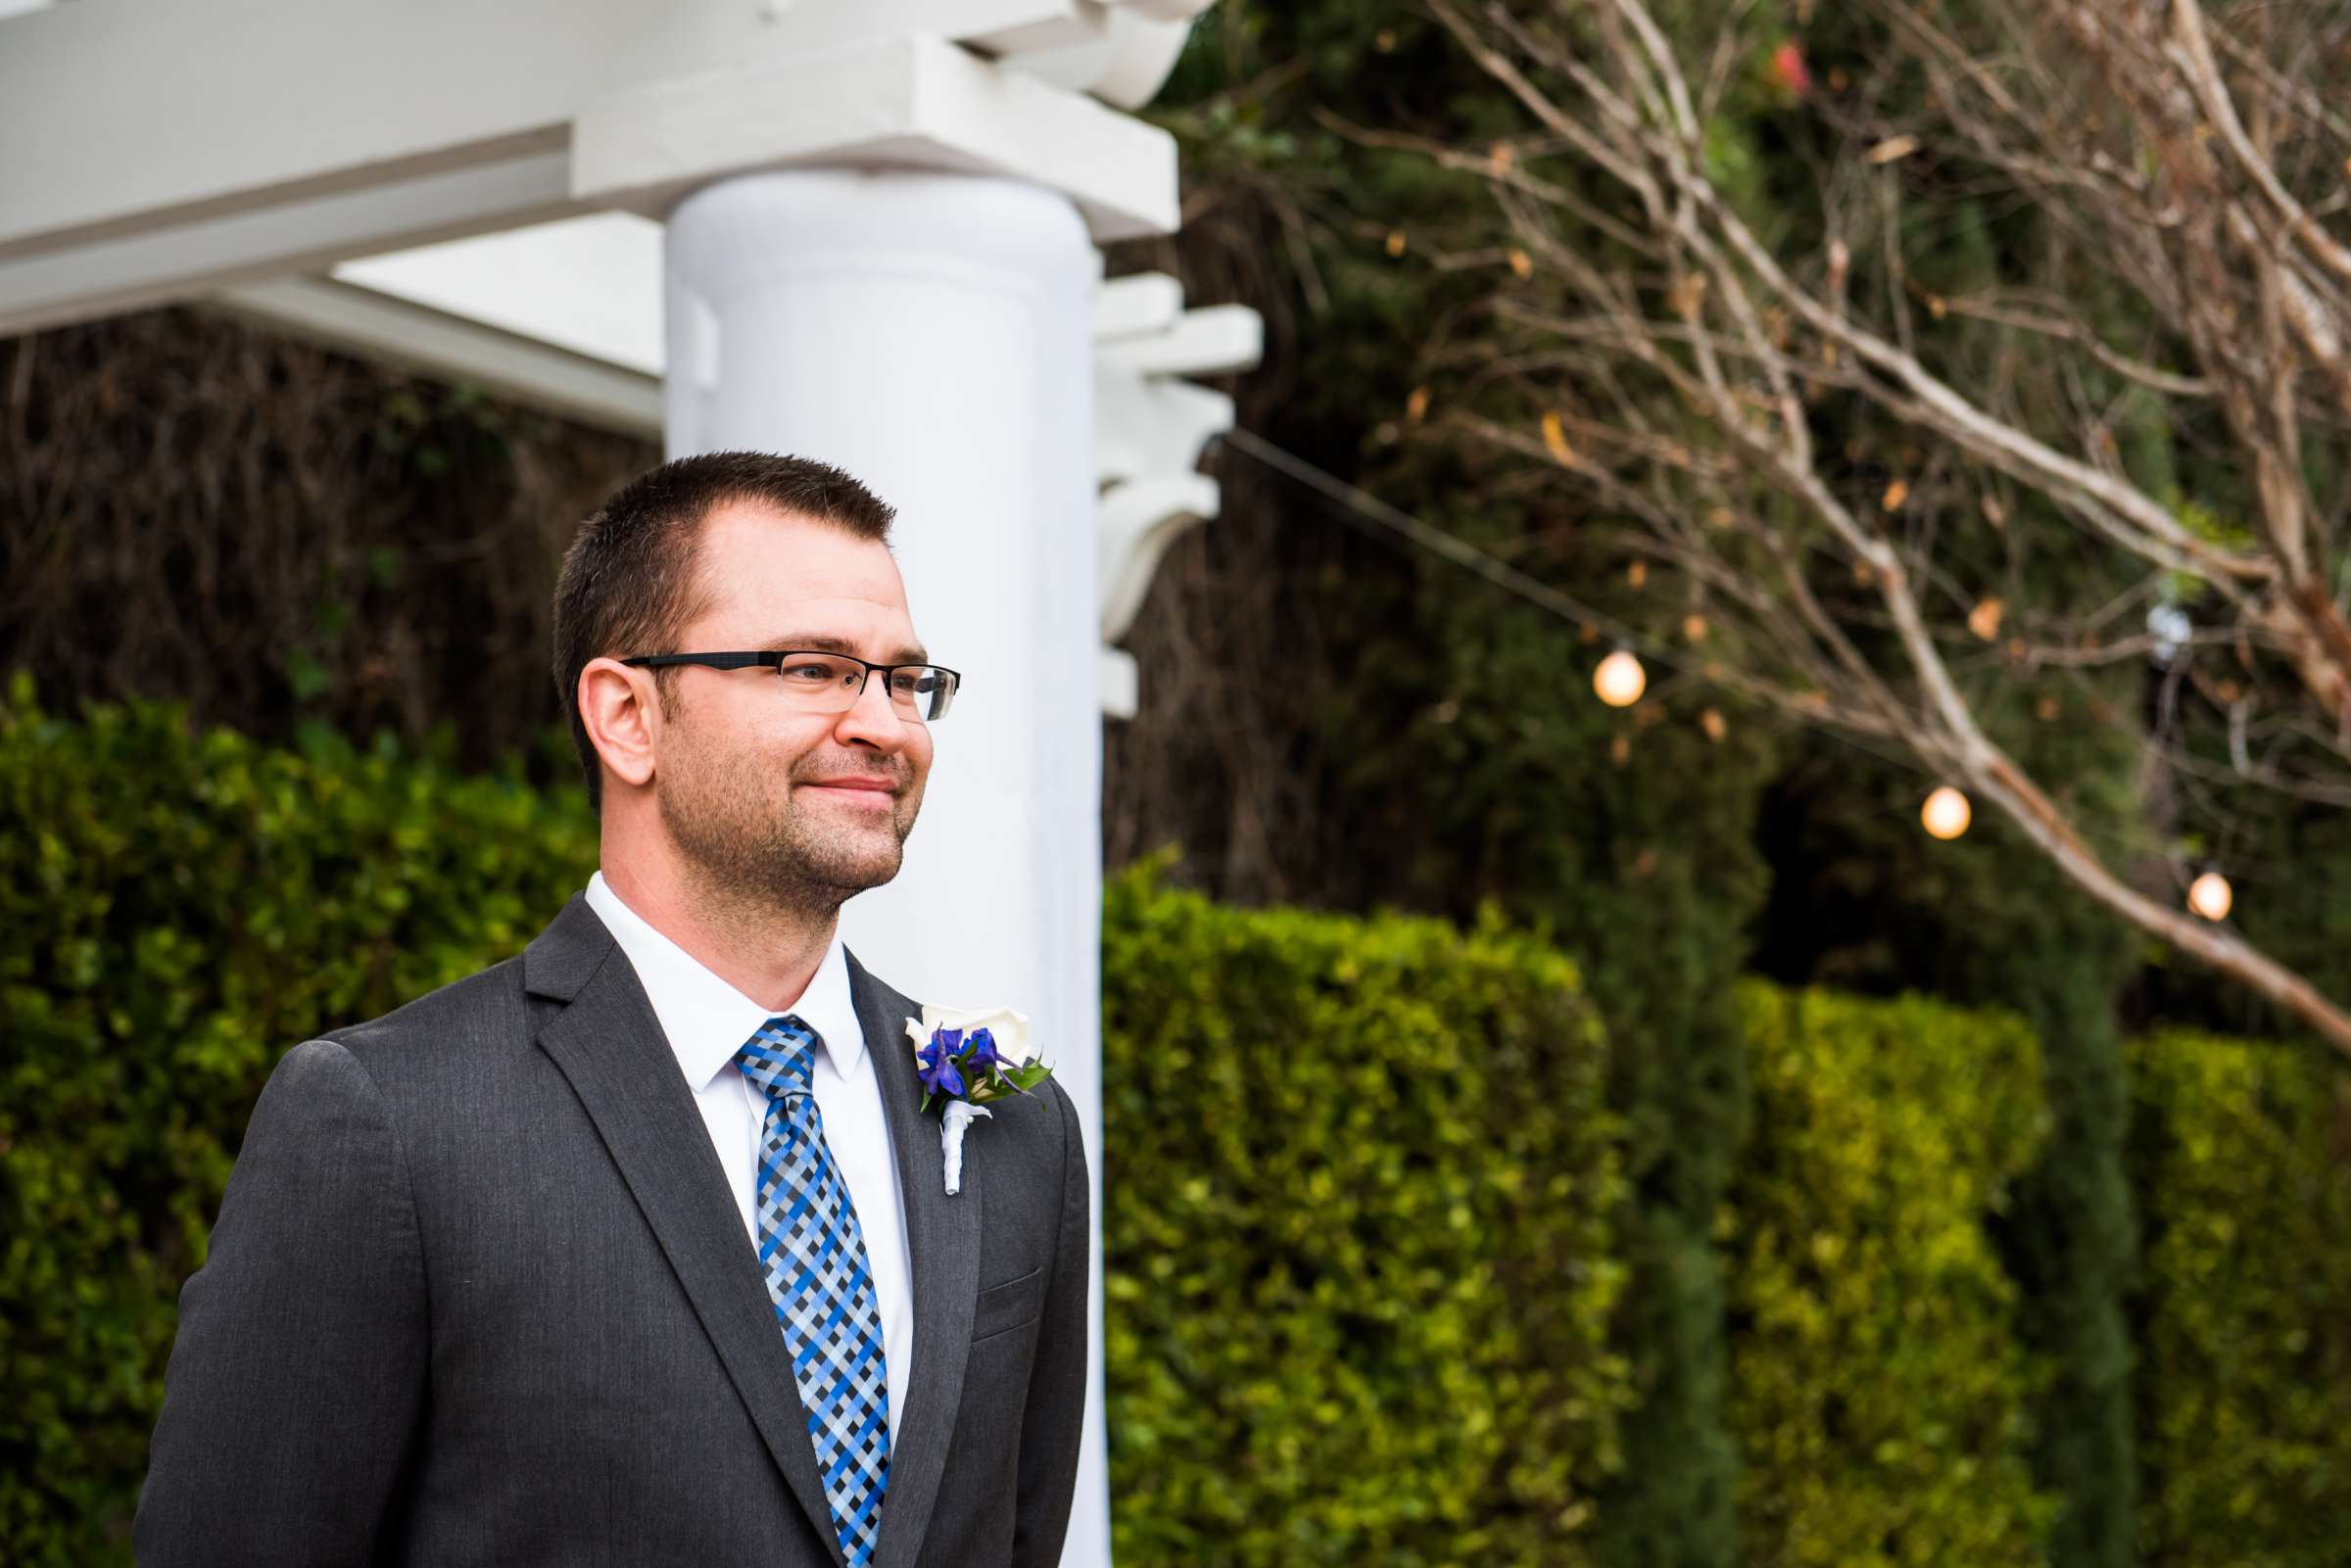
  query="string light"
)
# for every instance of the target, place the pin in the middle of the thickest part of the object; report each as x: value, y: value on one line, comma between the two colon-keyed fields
x: 1359, y: 506
x: 1947, y: 812
x: 1620, y: 680
x: 2211, y: 896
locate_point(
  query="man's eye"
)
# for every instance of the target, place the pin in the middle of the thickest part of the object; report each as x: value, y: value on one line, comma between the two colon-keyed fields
x: 811, y: 672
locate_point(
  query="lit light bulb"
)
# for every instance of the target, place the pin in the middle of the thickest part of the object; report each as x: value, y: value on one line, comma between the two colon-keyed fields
x: 1947, y: 812
x: 2210, y: 896
x: 1620, y: 680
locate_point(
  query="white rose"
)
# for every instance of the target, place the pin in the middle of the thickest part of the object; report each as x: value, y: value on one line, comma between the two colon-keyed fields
x: 1008, y: 1029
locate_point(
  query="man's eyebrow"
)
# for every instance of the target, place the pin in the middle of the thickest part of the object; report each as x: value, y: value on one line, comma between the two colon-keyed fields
x: 820, y: 643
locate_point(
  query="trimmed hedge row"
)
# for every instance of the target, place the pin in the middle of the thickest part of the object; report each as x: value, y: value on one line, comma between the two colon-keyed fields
x: 1878, y: 1390
x: 1359, y: 1240
x: 1366, y: 1214
x: 2241, y: 1155
x: 176, y: 910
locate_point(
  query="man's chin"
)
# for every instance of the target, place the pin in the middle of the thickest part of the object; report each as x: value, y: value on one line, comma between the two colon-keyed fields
x: 853, y: 867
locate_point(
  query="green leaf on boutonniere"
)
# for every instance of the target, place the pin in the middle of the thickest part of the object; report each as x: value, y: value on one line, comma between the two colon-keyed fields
x: 1027, y: 1075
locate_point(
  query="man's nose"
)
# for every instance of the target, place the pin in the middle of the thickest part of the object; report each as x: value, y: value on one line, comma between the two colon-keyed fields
x: 873, y: 718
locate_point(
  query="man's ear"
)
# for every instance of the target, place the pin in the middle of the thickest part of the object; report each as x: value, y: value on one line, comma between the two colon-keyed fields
x: 622, y: 715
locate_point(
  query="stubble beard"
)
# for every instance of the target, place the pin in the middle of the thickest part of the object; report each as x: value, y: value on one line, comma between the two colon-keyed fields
x: 755, y: 850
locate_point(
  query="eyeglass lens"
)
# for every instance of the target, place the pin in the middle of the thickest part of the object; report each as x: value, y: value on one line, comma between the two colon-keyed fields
x: 824, y: 683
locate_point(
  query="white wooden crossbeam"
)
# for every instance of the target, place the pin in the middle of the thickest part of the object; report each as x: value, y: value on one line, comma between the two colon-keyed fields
x: 156, y: 152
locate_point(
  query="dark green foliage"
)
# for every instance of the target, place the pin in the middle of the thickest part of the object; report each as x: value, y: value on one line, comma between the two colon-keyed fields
x: 279, y: 534
x: 1627, y: 839
x: 1359, y: 1246
x: 176, y: 909
x: 1880, y: 1394
x: 2073, y: 1247
x: 1649, y: 890
x: 1987, y: 920
x: 1456, y: 727
x: 2244, y: 1390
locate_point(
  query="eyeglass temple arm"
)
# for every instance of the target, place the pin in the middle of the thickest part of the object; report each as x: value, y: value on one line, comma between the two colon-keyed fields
x: 716, y: 661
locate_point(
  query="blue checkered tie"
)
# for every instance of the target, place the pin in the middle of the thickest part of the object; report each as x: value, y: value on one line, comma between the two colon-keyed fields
x: 813, y: 1255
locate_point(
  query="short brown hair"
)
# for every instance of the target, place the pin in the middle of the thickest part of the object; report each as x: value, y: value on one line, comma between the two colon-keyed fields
x: 628, y: 583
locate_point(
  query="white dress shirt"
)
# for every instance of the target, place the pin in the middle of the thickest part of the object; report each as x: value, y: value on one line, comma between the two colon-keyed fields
x: 707, y: 1021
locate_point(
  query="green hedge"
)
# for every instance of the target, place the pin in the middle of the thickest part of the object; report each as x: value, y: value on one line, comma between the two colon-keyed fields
x: 1879, y: 1393
x: 1357, y: 1244
x: 175, y: 910
x: 2241, y: 1155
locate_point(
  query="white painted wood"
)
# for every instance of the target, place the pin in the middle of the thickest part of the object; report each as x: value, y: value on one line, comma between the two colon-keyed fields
x: 1140, y: 303
x: 1080, y: 22
x: 1142, y: 54
x: 1138, y: 520
x: 909, y: 102
x: 384, y: 327
x: 1215, y: 340
x: 146, y: 266
x: 1168, y: 10
x: 1120, y: 686
x: 1126, y: 65
x: 318, y: 131
x: 116, y: 110
x: 590, y: 284
x: 1151, y: 425
x: 1122, y: 66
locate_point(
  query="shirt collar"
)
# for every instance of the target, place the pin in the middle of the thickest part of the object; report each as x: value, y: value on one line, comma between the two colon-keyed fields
x: 706, y: 1020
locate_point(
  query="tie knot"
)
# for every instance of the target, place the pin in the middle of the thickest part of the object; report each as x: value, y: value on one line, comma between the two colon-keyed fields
x: 779, y: 1057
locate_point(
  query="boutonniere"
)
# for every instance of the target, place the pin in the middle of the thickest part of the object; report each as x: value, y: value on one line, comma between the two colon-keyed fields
x: 967, y: 1056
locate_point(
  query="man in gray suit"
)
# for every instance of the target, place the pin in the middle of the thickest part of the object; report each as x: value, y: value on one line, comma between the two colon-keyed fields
x: 638, y: 1248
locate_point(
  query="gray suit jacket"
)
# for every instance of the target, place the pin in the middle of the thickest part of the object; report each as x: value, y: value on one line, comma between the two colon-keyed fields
x: 479, y: 1292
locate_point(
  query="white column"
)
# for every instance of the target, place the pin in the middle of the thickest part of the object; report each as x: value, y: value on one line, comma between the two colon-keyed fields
x: 930, y: 333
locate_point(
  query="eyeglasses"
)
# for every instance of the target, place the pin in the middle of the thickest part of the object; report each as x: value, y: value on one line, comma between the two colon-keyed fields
x: 832, y: 682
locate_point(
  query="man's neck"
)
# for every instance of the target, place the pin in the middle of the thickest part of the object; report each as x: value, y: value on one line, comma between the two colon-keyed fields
x: 768, y: 954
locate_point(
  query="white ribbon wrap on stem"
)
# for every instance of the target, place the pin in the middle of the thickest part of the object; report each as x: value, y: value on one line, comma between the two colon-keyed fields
x: 958, y: 1116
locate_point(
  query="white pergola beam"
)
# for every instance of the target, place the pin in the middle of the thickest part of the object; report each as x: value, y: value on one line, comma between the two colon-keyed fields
x: 1137, y: 304
x: 590, y: 284
x: 1215, y: 340
x: 380, y: 327
x: 1136, y: 522
x: 321, y: 130
x: 108, y: 121
x: 110, y: 125
x: 130, y: 271
x: 1070, y: 25
x: 910, y: 102
x: 1146, y: 425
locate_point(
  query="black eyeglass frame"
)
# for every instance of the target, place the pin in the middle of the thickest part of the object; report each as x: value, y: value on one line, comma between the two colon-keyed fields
x: 773, y: 658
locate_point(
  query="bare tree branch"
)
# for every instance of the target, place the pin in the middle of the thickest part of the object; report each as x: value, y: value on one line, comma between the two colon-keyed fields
x: 1691, y: 372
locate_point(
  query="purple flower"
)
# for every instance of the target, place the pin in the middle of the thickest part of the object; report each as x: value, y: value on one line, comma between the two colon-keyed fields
x: 937, y: 1064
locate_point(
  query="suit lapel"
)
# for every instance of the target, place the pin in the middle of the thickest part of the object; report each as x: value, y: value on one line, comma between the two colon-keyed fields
x: 608, y: 1042
x: 942, y: 1237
